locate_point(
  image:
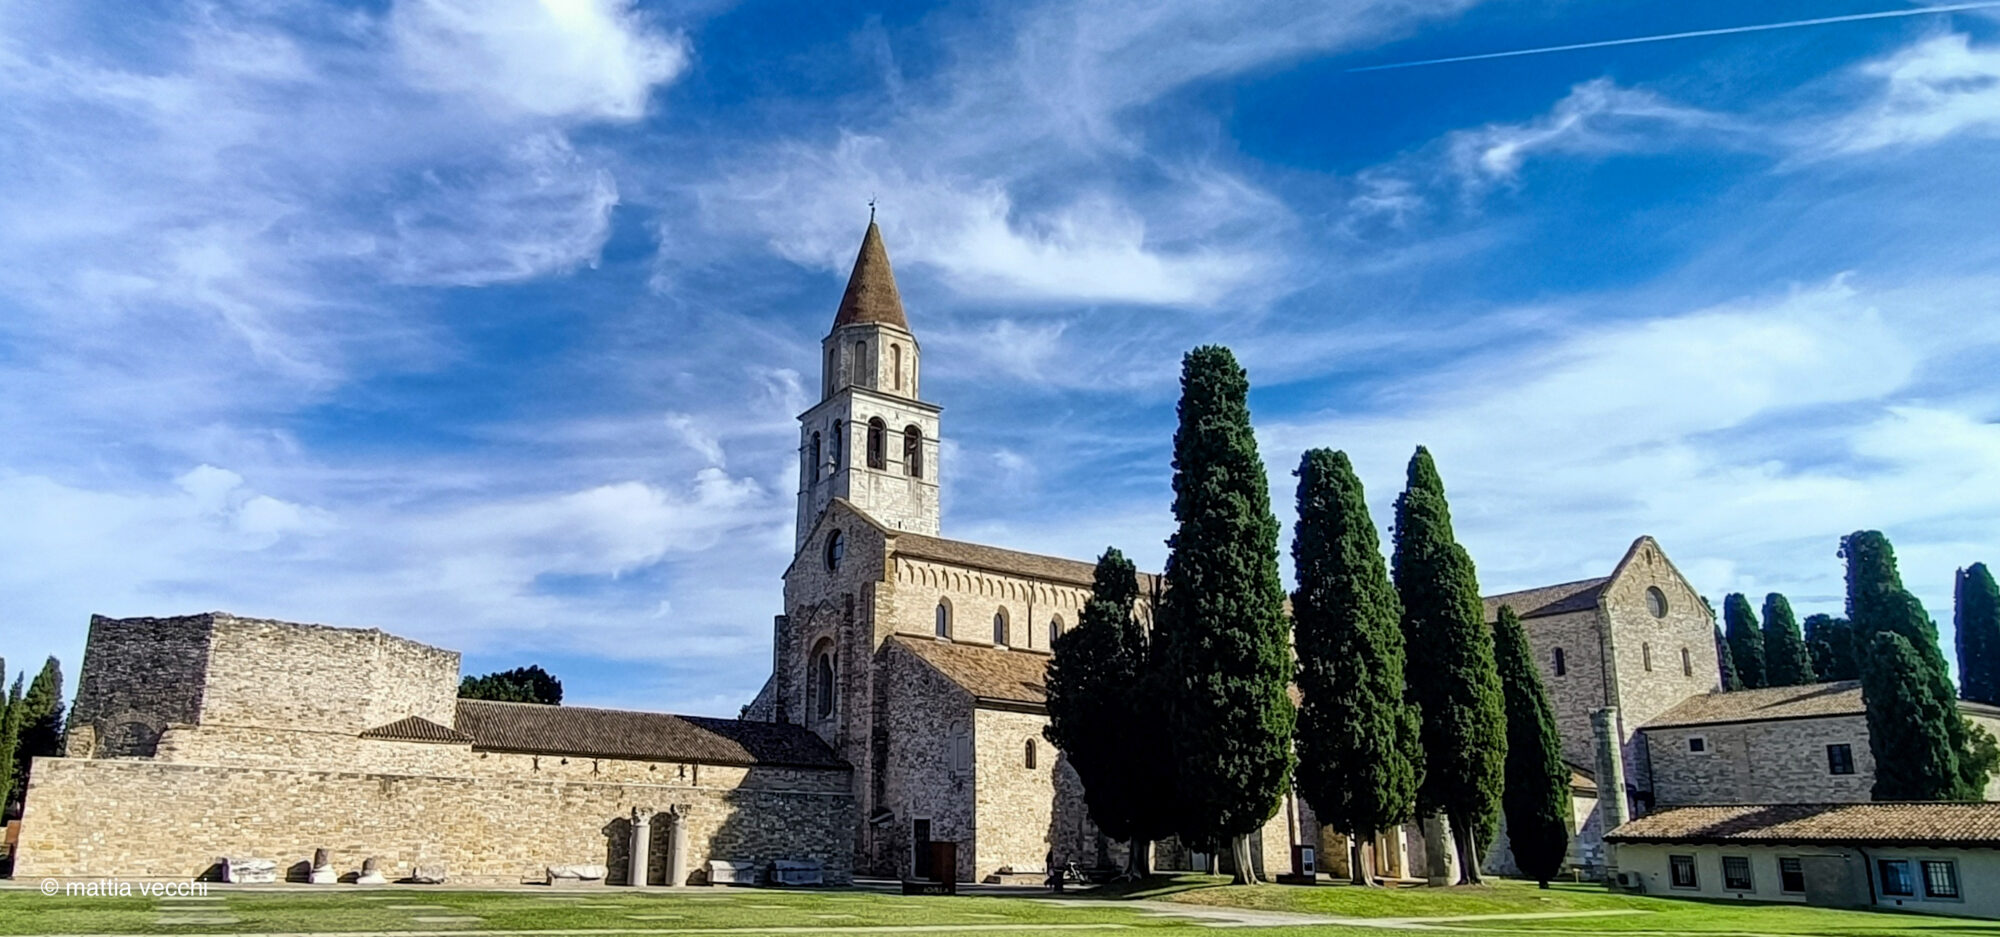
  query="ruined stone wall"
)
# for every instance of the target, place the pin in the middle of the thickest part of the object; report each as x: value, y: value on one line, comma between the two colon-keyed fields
x: 152, y: 820
x: 925, y: 718
x: 1781, y: 761
x: 285, y: 675
x: 140, y: 675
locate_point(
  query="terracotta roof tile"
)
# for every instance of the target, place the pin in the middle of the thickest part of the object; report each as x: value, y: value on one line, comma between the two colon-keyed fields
x: 990, y: 674
x: 1579, y: 596
x: 416, y: 729
x: 871, y: 297
x: 618, y: 733
x: 1969, y: 824
x: 1840, y: 698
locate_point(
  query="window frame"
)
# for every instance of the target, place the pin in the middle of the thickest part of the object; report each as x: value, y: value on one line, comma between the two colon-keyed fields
x: 1846, y: 760
x: 1646, y: 655
x: 1907, y: 878
x: 1687, y: 663
x: 1787, y: 876
x: 1674, y: 865
x: 836, y: 550
x: 1003, y: 628
x: 824, y: 683
x: 1561, y: 662
x: 1656, y: 602
x: 1698, y: 745
x: 1748, y: 870
x: 1951, y: 868
x: 878, y: 444
x: 1029, y: 756
x: 943, y: 625
x: 913, y: 451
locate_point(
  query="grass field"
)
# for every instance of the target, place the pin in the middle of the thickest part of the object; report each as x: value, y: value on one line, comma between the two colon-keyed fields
x: 1162, y: 908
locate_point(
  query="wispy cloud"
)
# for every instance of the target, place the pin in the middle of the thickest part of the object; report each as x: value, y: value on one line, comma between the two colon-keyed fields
x: 1927, y: 92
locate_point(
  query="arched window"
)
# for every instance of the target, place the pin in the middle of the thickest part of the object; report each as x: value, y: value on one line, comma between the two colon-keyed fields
x: 833, y: 445
x: 943, y: 619
x: 1055, y: 629
x: 1687, y: 663
x: 1646, y: 654
x: 896, y: 363
x: 836, y: 547
x: 1000, y: 626
x: 1030, y: 757
x: 877, y: 443
x: 861, y: 368
x: 823, y: 684
x: 814, y: 456
x: 832, y: 370
x: 1562, y: 667
x: 913, y: 451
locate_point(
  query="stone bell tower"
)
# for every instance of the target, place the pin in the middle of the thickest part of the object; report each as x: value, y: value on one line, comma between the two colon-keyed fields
x: 870, y: 439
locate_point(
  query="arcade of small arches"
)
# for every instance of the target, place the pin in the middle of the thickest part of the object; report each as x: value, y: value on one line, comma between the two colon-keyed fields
x: 1002, y: 626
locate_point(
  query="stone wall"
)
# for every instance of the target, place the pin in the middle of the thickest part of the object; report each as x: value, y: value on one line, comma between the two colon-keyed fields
x: 1779, y: 761
x: 925, y: 718
x: 1026, y: 812
x: 1584, y: 685
x: 975, y: 596
x: 1651, y: 675
x: 140, y: 675
x: 279, y: 674
x: 153, y: 820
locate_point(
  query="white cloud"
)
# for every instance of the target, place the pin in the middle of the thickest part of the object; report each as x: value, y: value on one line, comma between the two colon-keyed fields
x: 540, y: 208
x: 1595, y: 118
x: 589, y: 59
x: 1929, y: 91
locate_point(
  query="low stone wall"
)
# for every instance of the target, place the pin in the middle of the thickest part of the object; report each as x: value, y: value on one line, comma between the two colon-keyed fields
x: 152, y: 820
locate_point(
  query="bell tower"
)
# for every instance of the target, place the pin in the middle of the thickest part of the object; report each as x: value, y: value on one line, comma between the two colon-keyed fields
x: 871, y: 439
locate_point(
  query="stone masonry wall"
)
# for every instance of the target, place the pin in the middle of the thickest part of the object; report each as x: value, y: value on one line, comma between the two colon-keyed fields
x: 1652, y: 675
x: 925, y: 717
x: 172, y: 821
x: 1025, y: 812
x: 975, y: 596
x: 140, y: 675
x: 1780, y: 761
x: 1582, y: 687
x: 284, y: 675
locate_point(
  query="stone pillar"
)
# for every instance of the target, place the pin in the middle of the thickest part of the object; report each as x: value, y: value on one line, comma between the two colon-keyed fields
x: 1610, y: 781
x: 1439, y: 851
x: 642, y: 842
x: 677, y: 848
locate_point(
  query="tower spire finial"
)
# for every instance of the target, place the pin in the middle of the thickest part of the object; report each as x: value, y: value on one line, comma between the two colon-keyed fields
x: 871, y: 208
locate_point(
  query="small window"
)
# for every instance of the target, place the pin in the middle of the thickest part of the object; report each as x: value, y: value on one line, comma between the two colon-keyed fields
x: 823, y: 684
x: 1791, y: 875
x: 1000, y: 627
x: 913, y: 451
x: 1030, y: 758
x: 1687, y: 663
x: 1055, y: 629
x: 861, y: 368
x: 961, y: 754
x: 836, y: 547
x: 1840, y: 759
x: 833, y: 444
x: 1681, y: 869
x: 1941, y: 879
x: 832, y: 370
x: 814, y: 456
x: 944, y: 619
x: 878, y: 444
x: 1697, y: 745
x: 1736, y: 874
x: 1646, y: 655
x: 1895, y: 874
x: 896, y: 362
x: 1562, y: 663
x: 1656, y: 601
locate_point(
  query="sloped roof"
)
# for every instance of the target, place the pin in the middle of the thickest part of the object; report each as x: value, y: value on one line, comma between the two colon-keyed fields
x: 1840, y: 698
x: 1582, y: 781
x: 1886, y: 824
x: 416, y: 729
x: 581, y: 731
x: 871, y: 297
x: 1000, y: 560
x: 990, y: 674
x: 1579, y: 596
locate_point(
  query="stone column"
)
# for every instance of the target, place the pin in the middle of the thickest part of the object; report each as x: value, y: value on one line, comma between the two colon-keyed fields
x: 642, y: 842
x: 1439, y: 851
x: 1611, y: 810
x: 677, y: 850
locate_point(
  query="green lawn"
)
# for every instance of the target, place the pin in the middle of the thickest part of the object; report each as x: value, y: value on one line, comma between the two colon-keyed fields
x: 755, y: 911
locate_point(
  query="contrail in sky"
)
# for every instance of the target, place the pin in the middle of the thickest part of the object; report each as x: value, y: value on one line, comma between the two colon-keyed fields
x: 1726, y: 31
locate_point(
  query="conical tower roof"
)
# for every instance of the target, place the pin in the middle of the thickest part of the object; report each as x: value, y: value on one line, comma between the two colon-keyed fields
x: 871, y: 297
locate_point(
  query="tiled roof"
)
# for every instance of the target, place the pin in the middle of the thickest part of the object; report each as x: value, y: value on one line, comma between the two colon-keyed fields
x: 1582, y: 781
x: 871, y: 296
x: 416, y: 729
x: 996, y: 559
x: 1580, y: 596
x: 1967, y: 824
x: 618, y: 733
x: 1840, y: 698
x: 990, y: 674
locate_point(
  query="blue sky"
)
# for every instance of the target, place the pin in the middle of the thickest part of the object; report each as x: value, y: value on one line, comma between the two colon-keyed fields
x: 487, y: 322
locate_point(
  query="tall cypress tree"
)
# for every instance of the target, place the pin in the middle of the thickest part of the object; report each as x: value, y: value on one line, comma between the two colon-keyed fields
x: 1100, y: 717
x: 1225, y: 640
x: 40, y: 720
x: 1725, y: 665
x: 1976, y: 617
x: 10, y: 735
x: 1786, y: 660
x: 1746, y: 640
x: 1830, y: 641
x: 1537, y: 796
x: 1359, y: 746
x: 1913, y: 717
x: 1451, y: 671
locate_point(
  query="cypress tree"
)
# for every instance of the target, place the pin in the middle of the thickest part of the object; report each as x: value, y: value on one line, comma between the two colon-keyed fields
x: 1831, y: 643
x: 1937, y: 755
x: 1537, y: 795
x: 1786, y: 660
x: 1360, y: 754
x: 1746, y: 640
x: 1225, y: 641
x: 1451, y: 671
x: 1100, y: 717
x: 530, y: 684
x: 40, y: 721
x: 1976, y: 617
x: 10, y: 736
x: 1725, y: 665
